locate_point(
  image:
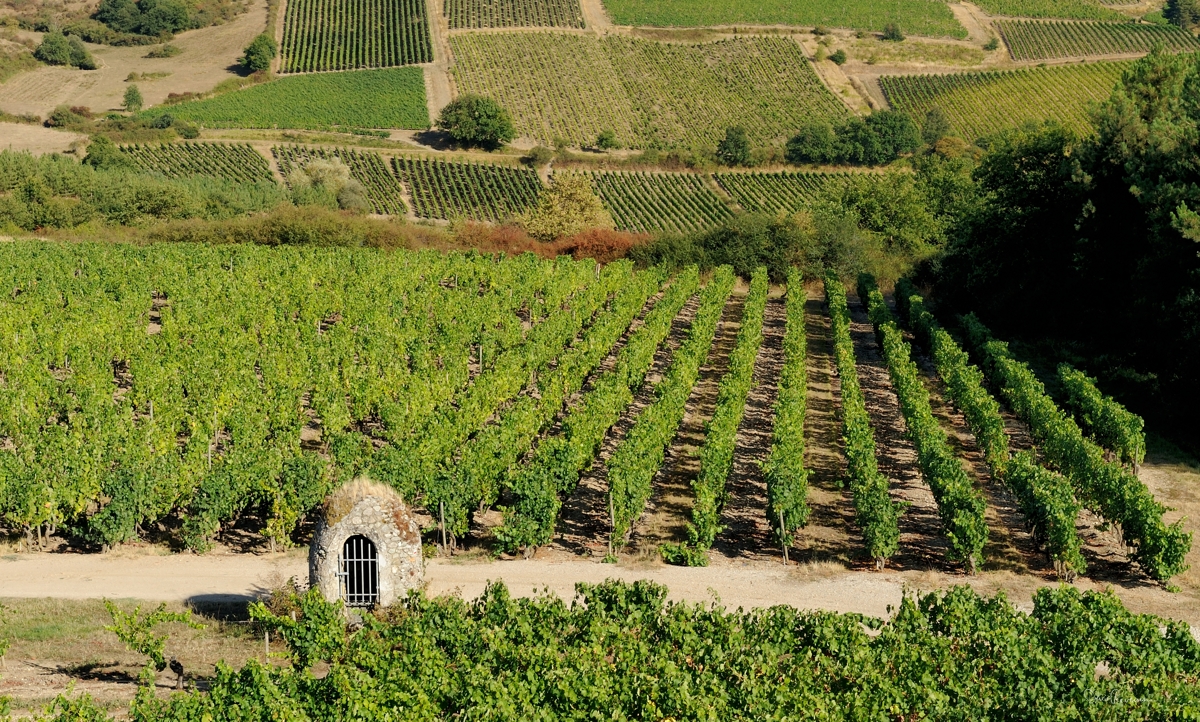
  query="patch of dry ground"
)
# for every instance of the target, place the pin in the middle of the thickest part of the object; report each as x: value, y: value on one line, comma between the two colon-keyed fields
x: 209, y: 56
x: 36, y: 139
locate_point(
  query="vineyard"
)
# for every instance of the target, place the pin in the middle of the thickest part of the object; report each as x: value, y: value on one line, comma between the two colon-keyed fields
x: 923, y: 17
x: 772, y: 193
x: 475, y: 191
x: 1033, y: 40
x: 189, y: 374
x: 574, y: 87
x: 383, y: 191
x: 393, y: 98
x: 645, y: 202
x: 240, y: 162
x: 1068, y: 9
x: 476, y: 14
x: 325, y: 35
x: 979, y: 104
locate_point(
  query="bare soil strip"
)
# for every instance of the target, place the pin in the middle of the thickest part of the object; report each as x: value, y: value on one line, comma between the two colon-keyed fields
x: 830, y: 535
x: 922, y: 545
x: 670, y: 507
x: 584, y: 523
x: 746, y: 533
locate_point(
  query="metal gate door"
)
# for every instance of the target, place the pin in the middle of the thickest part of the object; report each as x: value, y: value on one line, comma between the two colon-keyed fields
x: 359, y: 572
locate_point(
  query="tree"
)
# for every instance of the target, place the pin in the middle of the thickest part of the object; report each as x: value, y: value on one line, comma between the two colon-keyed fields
x: 896, y: 131
x: 568, y: 207
x: 1184, y: 13
x: 133, y: 99
x: 54, y: 50
x: 935, y: 127
x: 474, y: 120
x: 538, y: 157
x: 607, y: 140
x: 735, y: 148
x: 815, y: 143
x: 259, y: 53
x: 859, y: 144
x: 104, y: 154
x: 80, y: 57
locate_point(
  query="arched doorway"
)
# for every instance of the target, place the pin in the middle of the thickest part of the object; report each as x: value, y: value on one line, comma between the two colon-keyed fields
x: 359, y: 572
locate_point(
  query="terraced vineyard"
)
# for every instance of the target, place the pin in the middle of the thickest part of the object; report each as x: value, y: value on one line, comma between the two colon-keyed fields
x: 383, y: 190
x: 979, y: 104
x: 775, y: 192
x: 448, y: 190
x: 328, y: 35
x: 1047, y: 40
x: 477, y: 14
x: 645, y: 202
x: 1069, y: 9
x: 235, y: 162
x: 392, y: 98
x: 650, y: 94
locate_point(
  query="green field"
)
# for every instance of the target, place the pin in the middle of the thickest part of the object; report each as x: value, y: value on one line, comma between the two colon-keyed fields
x: 393, y: 98
x: 980, y: 104
x: 645, y: 202
x: 1046, y: 40
x: 383, y: 190
x: 240, y: 162
x: 921, y: 17
x: 476, y: 14
x: 328, y: 35
x: 651, y: 94
x: 776, y: 192
x: 476, y: 191
x: 1068, y: 9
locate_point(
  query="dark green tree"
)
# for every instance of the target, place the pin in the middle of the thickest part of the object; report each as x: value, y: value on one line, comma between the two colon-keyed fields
x: 80, y: 57
x: 838, y: 57
x: 815, y: 143
x: 859, y: 144
x: 935, y: 127
x: 259, y: 53
x: 734, y: 150
x: 104, y: 154
x: 896, y: 131
x: 54, y: 50
x: 607, y: 140
x: 477, y: 121
x: 1184, y: 13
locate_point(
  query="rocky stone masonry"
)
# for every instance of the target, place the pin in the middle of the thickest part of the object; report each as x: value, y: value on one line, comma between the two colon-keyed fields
x: 377, y: 513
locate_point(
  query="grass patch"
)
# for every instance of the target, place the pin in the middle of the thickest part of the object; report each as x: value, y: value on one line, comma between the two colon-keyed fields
x: 920, y: 17
x: 391, y: 98
x: 880, y: 52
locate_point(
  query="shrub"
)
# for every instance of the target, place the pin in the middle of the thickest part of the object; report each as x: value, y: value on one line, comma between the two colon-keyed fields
x: 166, y: 120
x: 815, y: 143
x: 474, y: 120
x: 185, y: 130
x: 259, y: 53
x: 327, y: 182
x: 54, y: 50
x: 992, y: 44
x: 133, y: 99
x: 538, y: 156
x: 735, y: 148
x: 104, y: 154
x: 891, y: 32
x: 935, y: 127
x: 607, y: 140
x: 164, y: 51
x: 839, y: 57
x: 80, y: 57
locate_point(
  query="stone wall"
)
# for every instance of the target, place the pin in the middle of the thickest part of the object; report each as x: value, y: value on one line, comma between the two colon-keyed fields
x: 388, y: 523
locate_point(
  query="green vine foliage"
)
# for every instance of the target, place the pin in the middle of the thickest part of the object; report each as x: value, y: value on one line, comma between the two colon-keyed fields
x: 136, y: 631
x: 874, y: 511
x: 1109, y: 423
x: 621, y: 651
x: 632, y: 467
x: 1046, y: 498
x: 960, y: 505
x: 558, y: 461
x: 787, y: 479
x: 720, y: 437
x: 1108, y: 488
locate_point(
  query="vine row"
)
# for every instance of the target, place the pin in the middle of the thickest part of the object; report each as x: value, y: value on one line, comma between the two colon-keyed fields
x: 787, y: 479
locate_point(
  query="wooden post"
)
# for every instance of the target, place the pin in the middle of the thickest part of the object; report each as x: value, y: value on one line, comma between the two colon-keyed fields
x: 783, y: 538
x: 442, y: 522
x: 267, y: 643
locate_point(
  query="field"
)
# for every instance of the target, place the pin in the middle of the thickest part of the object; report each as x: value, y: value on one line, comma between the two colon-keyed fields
x: 324, y: 35
x: 645, y: 202
x: 475, y: 191
x: 476, y: 14
x: 1067, y: 9
x: 979, y: 104
x: 921, y: 17
x: 647, y: 93
x: 218, y: 160
x: 392, y: 98
x: 383, y: 191
x: 1041, y: 40
x: 776, y: 192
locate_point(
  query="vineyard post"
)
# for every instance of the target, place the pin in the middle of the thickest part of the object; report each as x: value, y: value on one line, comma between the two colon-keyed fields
x: 783, y: 538
x: 612, y: 519
x: 442, y: 523
x: 267, y: 644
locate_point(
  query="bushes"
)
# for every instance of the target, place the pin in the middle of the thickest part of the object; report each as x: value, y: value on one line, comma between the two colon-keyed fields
x: 259, y: 53
x: 881, y: 138
x: 56, y: 49
x: 566, y: 208
x: 144, y: 17
x: 734, y: 149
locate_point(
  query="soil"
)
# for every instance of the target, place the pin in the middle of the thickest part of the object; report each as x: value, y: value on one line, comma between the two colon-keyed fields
x: 36, y: 139
x: 745, y: 532
x: 670, y: 507
x: 596, y: 16
x: 439, y: 85
x: 209, y: 56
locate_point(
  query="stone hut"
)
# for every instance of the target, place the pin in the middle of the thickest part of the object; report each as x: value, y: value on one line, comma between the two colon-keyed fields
x: 366, y: 550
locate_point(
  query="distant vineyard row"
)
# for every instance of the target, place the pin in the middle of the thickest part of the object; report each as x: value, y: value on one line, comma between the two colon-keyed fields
x: 327, y: 35
x: 1046, y: 40
x: 475, y: 14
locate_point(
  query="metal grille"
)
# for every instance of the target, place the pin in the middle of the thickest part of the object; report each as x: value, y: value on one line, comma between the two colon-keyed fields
x: 359, y: 572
